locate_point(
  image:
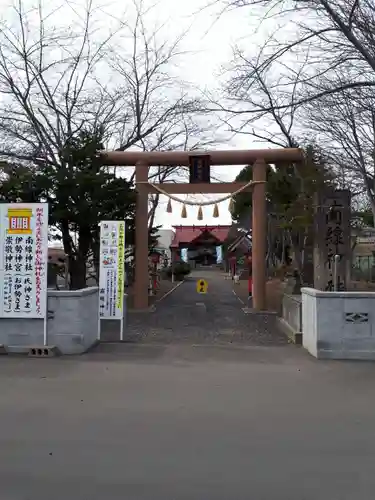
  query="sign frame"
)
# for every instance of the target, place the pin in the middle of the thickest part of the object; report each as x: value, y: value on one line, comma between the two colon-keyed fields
x: 199, y: 169
x: 111, y: 273
x: 25, y: 225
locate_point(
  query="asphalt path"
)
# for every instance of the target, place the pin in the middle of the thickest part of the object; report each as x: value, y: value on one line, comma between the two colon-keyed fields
x: 182, y: 422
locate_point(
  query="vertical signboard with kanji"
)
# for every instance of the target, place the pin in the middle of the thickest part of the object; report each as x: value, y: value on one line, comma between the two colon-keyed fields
x: 111, y: 276
x: 332, y: 255
x: 199, y: 169
x: 23, y: 260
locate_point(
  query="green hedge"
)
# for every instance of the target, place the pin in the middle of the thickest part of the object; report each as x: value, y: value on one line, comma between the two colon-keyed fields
x: 180, y: 270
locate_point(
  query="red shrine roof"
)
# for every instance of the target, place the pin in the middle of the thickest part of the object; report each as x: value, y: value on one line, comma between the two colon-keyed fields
x: 187, y: 234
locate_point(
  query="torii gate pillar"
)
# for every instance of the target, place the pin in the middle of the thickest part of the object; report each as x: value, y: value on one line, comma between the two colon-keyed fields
x: 259, y: 235
x: 141, y: 238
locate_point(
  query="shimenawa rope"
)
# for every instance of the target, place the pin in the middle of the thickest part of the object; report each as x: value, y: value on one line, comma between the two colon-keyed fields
x: 201, y: 203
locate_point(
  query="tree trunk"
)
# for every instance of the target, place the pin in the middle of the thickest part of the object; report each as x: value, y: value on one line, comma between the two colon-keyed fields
x: 95, y: 247
x: 296, y: 243
x: 308, y: 261
x: 66, y: 238
x: 78, y: 263
x: 373, y: 211
x: 77, y: 271
x: 77, y: 257
x: 302, y: 245
x: 152, y: 211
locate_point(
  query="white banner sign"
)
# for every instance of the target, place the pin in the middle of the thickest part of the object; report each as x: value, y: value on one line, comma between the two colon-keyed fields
x: 23, y: 260
x: 111, y: 276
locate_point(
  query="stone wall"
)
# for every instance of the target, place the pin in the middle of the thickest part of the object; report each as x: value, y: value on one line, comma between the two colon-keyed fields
x: 72, y: 324
x: 291, y: 317
x: 339, y: 325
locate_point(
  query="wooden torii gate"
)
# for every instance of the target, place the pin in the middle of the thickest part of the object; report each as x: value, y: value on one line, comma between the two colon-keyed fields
x: 258, y: 158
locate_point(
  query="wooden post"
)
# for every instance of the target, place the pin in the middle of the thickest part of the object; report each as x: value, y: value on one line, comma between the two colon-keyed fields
x: 259, y: 235
x: 141, y: 238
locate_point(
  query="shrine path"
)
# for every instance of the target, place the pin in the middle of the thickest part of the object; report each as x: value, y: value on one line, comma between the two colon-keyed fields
x: 188, y: 317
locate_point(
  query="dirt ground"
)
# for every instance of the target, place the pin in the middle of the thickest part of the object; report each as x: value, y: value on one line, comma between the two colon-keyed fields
x: 274, y: 291
x: 362, y: 286
x: 164, y: 287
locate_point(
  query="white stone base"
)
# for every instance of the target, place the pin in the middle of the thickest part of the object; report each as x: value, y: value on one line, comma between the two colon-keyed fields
x: 291, y: 319
x: 338, y: 325
x: 72, y: 324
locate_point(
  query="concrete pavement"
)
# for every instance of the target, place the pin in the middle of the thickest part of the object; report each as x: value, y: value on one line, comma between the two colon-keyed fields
x: 157, y: 422
x: 201, y: 403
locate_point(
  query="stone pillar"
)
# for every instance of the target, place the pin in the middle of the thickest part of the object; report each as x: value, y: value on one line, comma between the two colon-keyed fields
x: 332, y: 237
x: 259, y: 237
x: 141, y: 239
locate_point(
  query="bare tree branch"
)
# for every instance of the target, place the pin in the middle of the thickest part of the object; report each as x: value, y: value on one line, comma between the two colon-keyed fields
x: 339, y: 37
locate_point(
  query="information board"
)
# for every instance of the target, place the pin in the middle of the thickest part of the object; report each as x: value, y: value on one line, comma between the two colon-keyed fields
x: 111, y: 274
x: 23, y: 260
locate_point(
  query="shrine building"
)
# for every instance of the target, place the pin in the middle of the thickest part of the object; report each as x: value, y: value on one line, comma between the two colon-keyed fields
x: 199, y: 245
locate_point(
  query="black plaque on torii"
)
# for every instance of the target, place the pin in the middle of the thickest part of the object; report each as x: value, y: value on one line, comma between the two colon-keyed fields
x: 199, y: 169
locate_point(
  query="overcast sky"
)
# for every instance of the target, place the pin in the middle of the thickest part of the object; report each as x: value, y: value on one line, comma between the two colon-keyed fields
x: 209, y: 43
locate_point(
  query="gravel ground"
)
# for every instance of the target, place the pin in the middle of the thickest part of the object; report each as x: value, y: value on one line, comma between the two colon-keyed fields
x: 164, y: 287
x: 215, y: 317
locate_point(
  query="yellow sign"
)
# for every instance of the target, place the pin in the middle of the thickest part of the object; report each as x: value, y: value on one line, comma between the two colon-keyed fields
x: 19, y: 221
x: 202, y: 286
